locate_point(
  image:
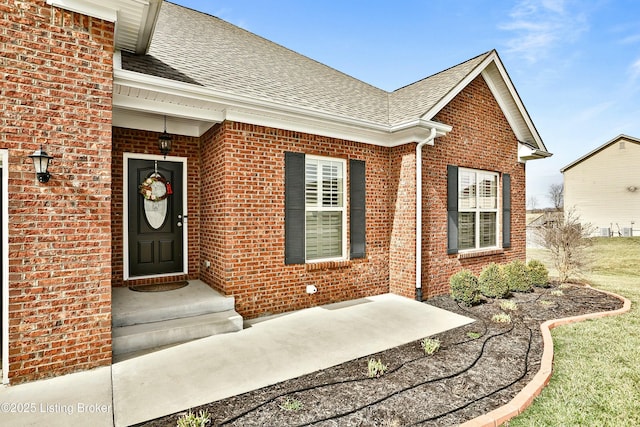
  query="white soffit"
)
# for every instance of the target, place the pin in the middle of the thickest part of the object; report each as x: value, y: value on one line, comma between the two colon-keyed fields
x: 134, y: 19
x: 505, y: 93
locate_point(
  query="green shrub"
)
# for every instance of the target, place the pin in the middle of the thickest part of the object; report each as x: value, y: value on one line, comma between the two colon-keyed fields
x: 538, y: 274
x: 376, y: 368
x: 516, y: 275
x: 492, y: 282
x: 291, y: 405
x: 474, y: 335
x: 464, y: 288
x: 430, y: 345
x: 508, y: 305
x: 501, y: 318
x: 192, y: 420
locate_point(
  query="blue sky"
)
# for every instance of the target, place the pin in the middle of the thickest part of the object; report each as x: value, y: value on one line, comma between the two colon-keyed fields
x: 575, y: 64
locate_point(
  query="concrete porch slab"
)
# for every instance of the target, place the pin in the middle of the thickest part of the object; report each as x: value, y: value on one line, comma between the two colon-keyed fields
x: 268, y: 352
x: 132, y: 308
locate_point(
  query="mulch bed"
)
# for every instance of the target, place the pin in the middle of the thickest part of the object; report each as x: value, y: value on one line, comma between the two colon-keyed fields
x: 466, y: 378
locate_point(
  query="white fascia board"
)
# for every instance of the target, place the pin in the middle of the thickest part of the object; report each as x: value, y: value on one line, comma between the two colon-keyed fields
x: 389, y: 138
x: 117, y: 59
x: 106, y: 10
x: 458, y: 88
x: 266, y: 113
x: 508, y: 111
x: 515, y: 98
x: 148, y: 25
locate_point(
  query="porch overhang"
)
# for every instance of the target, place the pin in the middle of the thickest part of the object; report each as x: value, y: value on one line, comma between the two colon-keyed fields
x: 134, y: 20
x: 141, y: 102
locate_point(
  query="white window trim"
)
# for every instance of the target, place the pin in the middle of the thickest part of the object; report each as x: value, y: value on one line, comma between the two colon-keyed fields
x: 497, y: 210
x: 343, y: 209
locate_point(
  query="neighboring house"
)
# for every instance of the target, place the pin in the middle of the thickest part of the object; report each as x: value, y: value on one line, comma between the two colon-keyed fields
x: 603, y: 187
x: 283, y: 173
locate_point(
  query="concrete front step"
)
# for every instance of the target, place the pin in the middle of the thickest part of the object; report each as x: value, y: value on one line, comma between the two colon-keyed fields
x: 132, y: 308
x: 128, y: 339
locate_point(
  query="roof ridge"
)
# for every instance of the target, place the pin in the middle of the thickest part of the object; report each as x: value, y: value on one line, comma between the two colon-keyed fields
x: 487, y: 53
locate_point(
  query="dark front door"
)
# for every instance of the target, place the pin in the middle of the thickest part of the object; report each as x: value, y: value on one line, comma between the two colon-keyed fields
x: 156, y: 222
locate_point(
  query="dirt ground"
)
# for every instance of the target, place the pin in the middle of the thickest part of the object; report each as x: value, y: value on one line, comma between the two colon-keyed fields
x: 478, y: 368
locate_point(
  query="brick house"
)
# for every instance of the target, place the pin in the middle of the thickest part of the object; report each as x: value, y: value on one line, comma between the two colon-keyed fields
x: 283, y: 173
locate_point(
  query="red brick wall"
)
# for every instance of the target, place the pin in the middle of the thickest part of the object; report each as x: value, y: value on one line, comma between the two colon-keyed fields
x: 481, y: 139
x: 215, y: 221
x: 142, y: 142
x: 56, y: 73
x: 243, y: 168
x: 402, y: 252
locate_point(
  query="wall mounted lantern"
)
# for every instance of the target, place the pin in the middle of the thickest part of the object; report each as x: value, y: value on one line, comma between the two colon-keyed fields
x: 164, y: 141
x: 41, y: 163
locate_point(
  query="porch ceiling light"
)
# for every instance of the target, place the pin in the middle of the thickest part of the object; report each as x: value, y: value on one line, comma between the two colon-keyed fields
x: 165, y: 140
x: 41, y: 163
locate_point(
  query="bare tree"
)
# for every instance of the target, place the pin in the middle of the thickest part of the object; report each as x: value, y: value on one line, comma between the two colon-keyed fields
x: 567, y: 240
x: 556, y: 195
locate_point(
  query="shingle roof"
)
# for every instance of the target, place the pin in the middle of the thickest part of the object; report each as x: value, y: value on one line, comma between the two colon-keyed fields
x: 416, y: 99
x: 193, y: 47
x: 621, y: 137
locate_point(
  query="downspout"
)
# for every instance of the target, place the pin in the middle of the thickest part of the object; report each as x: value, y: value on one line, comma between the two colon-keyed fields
x: 428, y: 141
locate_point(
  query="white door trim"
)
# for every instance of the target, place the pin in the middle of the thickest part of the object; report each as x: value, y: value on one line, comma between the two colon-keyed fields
x: 125, y: 212
x: 4, y: 162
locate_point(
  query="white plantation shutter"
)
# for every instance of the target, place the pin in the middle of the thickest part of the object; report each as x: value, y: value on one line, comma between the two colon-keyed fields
x: 477, y: 209
x: 325, y: 208
x: 324, y: 235
x: 467, y: 190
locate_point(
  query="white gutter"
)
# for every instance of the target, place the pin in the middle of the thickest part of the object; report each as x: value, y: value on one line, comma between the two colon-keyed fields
x: 173, y: 98
x: 428, y: 141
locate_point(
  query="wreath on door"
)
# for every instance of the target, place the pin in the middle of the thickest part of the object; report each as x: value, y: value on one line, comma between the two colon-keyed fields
x: 155, y: 188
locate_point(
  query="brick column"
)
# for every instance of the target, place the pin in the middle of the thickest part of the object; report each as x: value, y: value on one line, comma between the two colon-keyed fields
x: 57, y: 76
x: 402, y: 250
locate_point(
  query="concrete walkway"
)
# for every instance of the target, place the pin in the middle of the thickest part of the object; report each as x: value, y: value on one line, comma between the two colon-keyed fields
x: 209, y: 369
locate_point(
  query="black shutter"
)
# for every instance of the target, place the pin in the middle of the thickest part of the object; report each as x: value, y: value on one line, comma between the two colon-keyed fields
x: 294, y: 166
x: 506, y: 210
x: 357, y: 213
x: 452, y: 209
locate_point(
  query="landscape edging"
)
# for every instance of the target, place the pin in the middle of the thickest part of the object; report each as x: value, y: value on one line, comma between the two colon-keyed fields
x: 525, y: 397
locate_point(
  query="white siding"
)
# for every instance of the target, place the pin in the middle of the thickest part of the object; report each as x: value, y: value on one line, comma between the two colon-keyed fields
x: 601, y: 188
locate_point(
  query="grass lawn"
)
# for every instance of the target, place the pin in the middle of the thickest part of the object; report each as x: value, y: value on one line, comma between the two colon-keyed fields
x: 596, y: 378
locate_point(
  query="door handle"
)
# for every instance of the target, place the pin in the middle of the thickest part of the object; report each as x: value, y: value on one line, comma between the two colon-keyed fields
x: 179, y: 224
